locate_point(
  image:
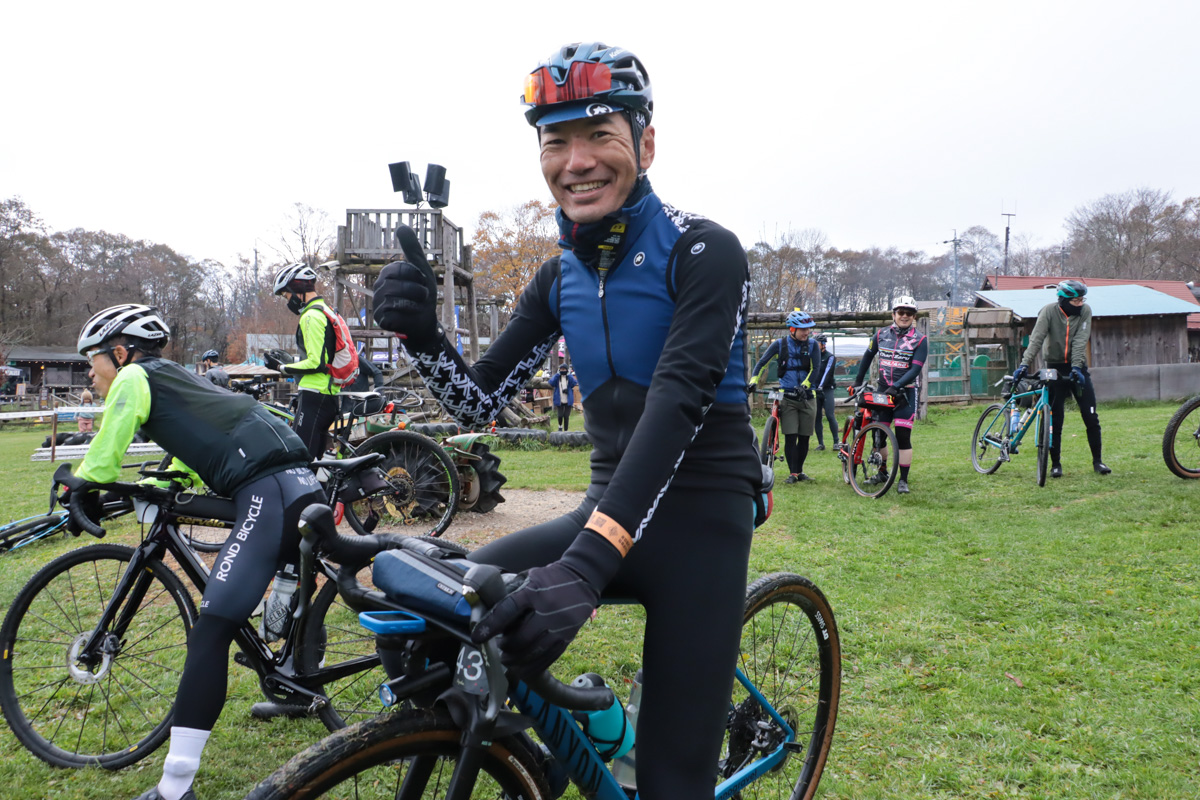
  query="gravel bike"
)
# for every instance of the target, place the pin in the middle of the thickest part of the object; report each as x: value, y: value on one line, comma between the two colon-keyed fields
x: 92, y: 647
x: 458, y: 728
x: 768, y: 446
x: 868, y: 451
x: 1003, y: 426
x: 1181, y: 440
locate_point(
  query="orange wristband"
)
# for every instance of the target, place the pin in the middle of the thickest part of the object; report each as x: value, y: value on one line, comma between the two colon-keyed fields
x: 607, y: 527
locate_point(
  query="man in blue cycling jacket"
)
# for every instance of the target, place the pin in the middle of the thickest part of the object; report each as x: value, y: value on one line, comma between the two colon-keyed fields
x: 651, y: 301
x: 799, y: 359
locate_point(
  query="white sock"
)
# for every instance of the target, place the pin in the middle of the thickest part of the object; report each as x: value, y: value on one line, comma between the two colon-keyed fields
x: 182, y: 763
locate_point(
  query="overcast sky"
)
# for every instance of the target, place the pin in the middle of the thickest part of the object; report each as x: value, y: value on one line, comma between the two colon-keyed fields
x: 879, y: 123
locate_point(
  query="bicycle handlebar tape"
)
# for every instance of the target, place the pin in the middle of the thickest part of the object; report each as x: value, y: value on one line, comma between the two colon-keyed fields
x: 80, y: 516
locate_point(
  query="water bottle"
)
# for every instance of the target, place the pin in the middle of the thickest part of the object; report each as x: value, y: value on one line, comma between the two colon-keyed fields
x: 277, y: 614
x: 608, y: 728
x: 624, y: 769
x: 1016, y: 422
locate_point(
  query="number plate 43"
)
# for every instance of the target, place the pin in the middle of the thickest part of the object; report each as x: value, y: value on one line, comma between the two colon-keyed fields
x: 470, y: 674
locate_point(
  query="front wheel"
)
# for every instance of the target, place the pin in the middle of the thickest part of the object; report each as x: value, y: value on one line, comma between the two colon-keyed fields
x: 402, y: 754
x: 770, y: 442
x: 1181, y: 441
x: 792, y: 655
x: 1043, y: 444
x: 991, y: 434
x: 423, y: 489
x: 875, y: 460
x: 111, y: 707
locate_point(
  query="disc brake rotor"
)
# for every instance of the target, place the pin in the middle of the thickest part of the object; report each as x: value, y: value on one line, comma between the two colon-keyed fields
x: 79, y: 672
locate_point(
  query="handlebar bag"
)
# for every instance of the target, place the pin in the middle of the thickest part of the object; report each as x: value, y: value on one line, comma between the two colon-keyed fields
x: 422, y: 584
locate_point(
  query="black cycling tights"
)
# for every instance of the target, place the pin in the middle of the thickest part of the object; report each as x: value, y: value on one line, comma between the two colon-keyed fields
x: 1085, y: 398
x: 689, y: 571
x: 315, y: 412
x: 795, y: 452
x: 263, y: 539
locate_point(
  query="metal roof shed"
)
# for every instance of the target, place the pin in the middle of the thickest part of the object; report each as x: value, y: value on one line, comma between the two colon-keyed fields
x: 1131, y: 324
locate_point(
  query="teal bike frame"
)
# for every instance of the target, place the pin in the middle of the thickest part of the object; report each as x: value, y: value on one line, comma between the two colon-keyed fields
x: 1003, y: 427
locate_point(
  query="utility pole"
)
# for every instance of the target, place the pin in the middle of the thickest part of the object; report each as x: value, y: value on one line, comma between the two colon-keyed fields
x: 1062, y: 259
x: 1006, y: 224
x: 954, y: 289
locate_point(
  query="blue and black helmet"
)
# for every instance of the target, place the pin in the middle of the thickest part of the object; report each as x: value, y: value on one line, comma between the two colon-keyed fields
x: 800, y: 319
x: 210, y: 355
x: 1072, y: 289
x: 588, y: 79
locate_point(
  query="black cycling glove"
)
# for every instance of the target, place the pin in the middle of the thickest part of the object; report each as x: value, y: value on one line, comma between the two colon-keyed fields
x: 1078, y: 376
x: 542, y: 616
x: 406, y: 294
x: 90, y: 503
x: 1019, y: 373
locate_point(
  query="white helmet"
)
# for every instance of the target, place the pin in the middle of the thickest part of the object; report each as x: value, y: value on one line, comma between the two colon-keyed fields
x: 904, y: 301
x: 293, y: 272
x: 130, y: 319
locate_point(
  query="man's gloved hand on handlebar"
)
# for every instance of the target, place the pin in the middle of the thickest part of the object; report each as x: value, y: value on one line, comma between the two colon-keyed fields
x: 541, y: 617
x: 1019, y: 373
x: 89, y: 503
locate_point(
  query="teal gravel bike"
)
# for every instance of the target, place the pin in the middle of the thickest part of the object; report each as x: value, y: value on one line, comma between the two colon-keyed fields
x: 1003, y: 427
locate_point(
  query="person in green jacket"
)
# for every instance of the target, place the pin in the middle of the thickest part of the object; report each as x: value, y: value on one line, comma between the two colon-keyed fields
x: 1061, y: 336
x: 235, y: 446
x: 317, y: 400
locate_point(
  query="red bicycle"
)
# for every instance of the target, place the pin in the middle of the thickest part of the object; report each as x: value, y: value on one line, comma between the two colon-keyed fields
x: 768, y: 446
x: 868, y: 452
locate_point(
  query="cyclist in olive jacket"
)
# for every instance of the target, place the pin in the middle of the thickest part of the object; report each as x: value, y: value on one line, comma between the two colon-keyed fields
x: 1061, y: 336
x: 233, y: 445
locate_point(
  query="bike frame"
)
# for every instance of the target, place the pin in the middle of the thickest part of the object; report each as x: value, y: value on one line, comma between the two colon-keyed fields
x: 33, y: 536
x: 854, y: 425
x: 276, y: 671
x: 1010, y: 405
x: 562, y: 735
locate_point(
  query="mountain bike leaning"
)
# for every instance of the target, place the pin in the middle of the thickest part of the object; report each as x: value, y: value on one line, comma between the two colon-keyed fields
x: 93, y: 645
x: 1181, y: 440
x: 453, y: 733
x: 1003, y: 426
x: 868, y: 451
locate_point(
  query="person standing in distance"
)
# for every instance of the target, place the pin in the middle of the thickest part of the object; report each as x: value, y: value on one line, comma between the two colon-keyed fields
x: 233, y: 445
x: 826, y: 386
x: 651, y: 301
x: 1061, y: 336
x: 564, y: 396
x: 213, y: 370
x: 317, y: 399
x: 799, y: 360
x: 902, y: 351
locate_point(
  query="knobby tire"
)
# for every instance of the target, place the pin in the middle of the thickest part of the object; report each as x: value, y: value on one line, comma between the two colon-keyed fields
x: 1181, y: 441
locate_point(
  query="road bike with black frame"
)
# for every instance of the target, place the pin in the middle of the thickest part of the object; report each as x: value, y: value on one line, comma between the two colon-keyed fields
x: 1002, y: 427
x: 92, y: 647
x: 459, y: 725
x: 1181, y: 440
x: 868, y: 451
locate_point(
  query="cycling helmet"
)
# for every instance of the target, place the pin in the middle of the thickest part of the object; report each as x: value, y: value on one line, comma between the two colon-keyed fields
x: 130, y: 319
x: 210, y: 355
x: 1072, y: 289
x: 904, y: 301
x: 800, y: 319
x: 587, y: 79
x: 822, y: 338
x: 294, y: 273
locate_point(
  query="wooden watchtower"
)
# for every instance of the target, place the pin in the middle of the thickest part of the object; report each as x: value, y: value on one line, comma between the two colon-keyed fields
x: 368, y: 241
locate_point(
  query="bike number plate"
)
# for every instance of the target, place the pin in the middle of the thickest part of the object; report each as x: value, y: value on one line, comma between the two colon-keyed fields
x: 470, y: 674
x: 774, y: 395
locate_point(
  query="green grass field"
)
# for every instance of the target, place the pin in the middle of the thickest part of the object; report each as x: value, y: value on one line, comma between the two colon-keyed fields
x: 999, y: 640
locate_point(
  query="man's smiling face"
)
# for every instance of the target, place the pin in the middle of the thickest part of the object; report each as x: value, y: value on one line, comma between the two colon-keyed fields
x: 589, y: 164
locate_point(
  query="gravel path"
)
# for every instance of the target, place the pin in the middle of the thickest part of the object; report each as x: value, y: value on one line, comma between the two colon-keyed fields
x: 520, y: 509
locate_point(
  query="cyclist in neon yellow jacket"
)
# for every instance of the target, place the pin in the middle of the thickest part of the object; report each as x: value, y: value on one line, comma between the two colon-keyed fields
x: 234, y: 446
x: 317, y: 401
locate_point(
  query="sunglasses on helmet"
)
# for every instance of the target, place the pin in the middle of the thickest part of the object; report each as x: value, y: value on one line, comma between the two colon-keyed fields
x: 584, y: 80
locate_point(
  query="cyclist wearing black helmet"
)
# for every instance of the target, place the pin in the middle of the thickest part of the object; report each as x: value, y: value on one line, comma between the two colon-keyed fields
x: 229, y: 442
x: 651, y: 301
x: 212, y: 370
x: 1061, y: 336
x: 902, y: 350
x: 799, y: 362
x: 825, y: 389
